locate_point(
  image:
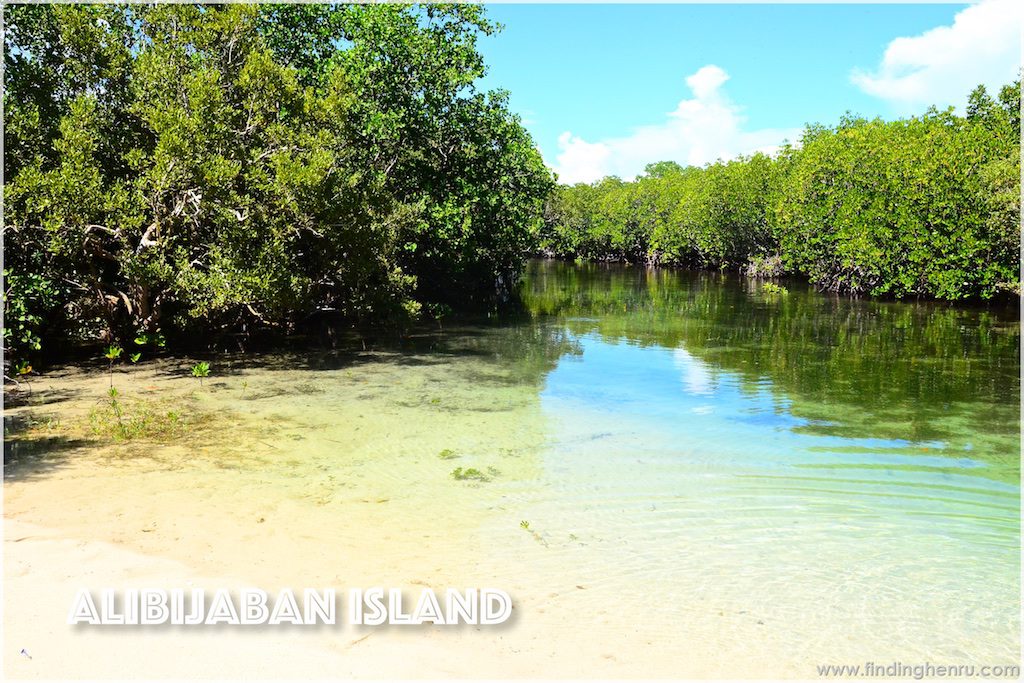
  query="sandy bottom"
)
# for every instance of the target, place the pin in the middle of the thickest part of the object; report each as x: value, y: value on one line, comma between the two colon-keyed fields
x: 341, y: 477
x: 245, y: 505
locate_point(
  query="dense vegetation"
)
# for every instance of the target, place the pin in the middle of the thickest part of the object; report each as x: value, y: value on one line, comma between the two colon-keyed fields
x: 178, y: 171
x: 927, y: 206
x: 172, y: 169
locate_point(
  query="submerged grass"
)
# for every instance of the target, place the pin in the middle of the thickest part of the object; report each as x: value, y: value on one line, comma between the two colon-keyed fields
x: 162, y: 419
x: 473, y: 474
x: 469, y: 474
x: 126, y: 419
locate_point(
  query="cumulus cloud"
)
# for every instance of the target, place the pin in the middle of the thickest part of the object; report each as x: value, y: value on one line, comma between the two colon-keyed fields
x: 707, y: 81
x: 702, y: 129
x: 942, y: 65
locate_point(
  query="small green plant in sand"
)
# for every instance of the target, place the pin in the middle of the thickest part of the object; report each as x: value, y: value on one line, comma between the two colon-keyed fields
x: 201, y: 370
x: 23, y: 369
x: 126, y: 420
x: 147, y: 339
x: 115, y: 407
x: 772, y: 289
x: 151, y: 339
x: 447, y: 454
x: 525, y: 525
x: 469, y: 474
x: 112, y: 353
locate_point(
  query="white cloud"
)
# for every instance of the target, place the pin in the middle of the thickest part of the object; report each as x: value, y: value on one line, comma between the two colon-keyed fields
x: 707, y: 80
x: 579, y: 160
x: 695, y: 374
x: 700, y: 130
x: 943, y: 65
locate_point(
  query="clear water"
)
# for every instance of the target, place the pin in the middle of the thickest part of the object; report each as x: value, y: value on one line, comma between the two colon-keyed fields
x: 848, y: 466
x: 708, y: 474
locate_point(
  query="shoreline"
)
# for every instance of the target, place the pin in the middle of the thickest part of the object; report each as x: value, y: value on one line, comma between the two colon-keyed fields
x: 352, y: 339
x: 1004, y: 302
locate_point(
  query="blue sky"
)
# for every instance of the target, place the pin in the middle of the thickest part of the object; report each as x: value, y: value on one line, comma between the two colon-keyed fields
x: 605, y: 89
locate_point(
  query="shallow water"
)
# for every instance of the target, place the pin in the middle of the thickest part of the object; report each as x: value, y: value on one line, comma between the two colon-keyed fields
x: 702, y: 478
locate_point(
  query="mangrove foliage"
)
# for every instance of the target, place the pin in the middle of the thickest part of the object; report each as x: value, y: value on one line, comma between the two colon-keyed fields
x: 927, y: 206
x: 182, y: 169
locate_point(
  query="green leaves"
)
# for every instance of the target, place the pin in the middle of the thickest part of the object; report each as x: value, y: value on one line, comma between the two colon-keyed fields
x: 204, y: 169
x: 26, y: 297
x: 150, y: 339
x: 927, y: 206
x: 905, y: 208
x: 711, y: 217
